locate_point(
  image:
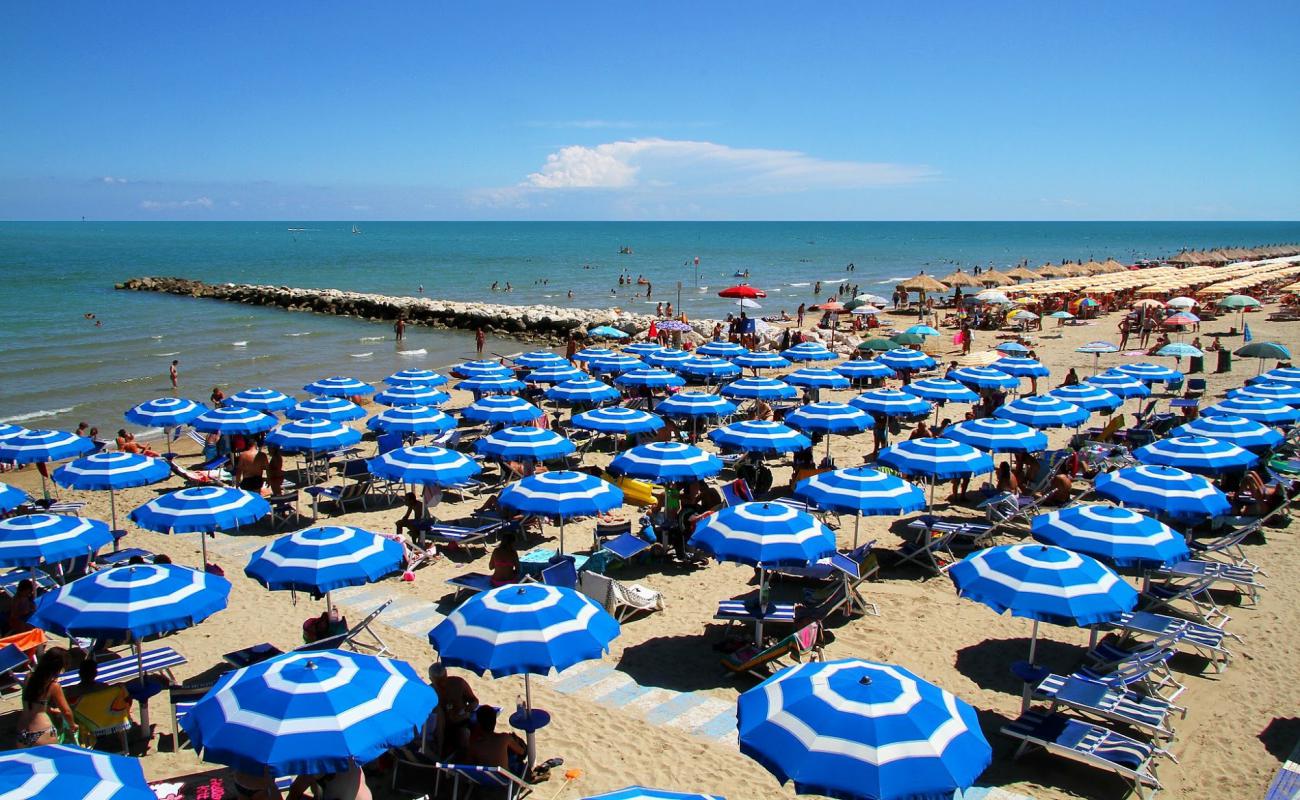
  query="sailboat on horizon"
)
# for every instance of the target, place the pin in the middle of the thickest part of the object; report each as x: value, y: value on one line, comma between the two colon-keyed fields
x: 356, y: 231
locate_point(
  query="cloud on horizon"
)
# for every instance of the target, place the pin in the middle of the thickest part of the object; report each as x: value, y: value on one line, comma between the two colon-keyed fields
x: 163, y: 205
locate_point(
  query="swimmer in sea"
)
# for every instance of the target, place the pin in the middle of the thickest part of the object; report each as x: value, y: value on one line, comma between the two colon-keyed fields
x: 172, y: 371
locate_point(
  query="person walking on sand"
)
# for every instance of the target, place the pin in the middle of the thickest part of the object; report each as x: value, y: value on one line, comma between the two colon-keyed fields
x: 399, y: 328
x: 172, y: 372
x: 479, y: 340
x: 799, y: 314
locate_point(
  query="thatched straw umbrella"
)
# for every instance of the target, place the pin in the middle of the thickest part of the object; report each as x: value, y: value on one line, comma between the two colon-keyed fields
x: 921, y: 284
x: 960, y: 278
x: 1022, y: 273
x: 1053, y: 271
x: 995, y: 278
x: 1111, y: 266
x: 1093, y: 267
x: 1185, y: 258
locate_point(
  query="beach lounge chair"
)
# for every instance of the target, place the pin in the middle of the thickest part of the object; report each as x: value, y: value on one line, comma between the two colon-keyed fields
x: 124, y: 668
x: 1148, y: 673
x: 102, y: 714
x: 182, y: 699
x: 931, y: 550
x: 1089, y: 744
x: 621, y: 600
x: 340, y: 496
x: 625, y: 547
x: 9, y: 581
x: 469, y: 583
x: 1242, y: 579
x: 12, y: 659
x: 465, y: 780
x: 476, y: 534
x: 1204, y: 640
x: 1111, y: 656
x: 561, y: 572
x: 283, y: 508
x: 762, y: 662
x: 120, y: 557
x: 736, y: 492
x: 1226, y: 546
x: 1142, y: 712
x: 202, y: 476
x: 1198, y: 603
x: 349, y: 638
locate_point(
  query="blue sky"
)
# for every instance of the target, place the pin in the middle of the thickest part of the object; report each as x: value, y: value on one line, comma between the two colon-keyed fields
x: 700, y: 110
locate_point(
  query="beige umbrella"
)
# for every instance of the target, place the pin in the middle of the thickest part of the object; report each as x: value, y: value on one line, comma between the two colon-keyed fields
x: 979, y: 359
x: 995, y: 278
x: 960, y: 278
x: 1023, y: 274
x: 1112, y: 266
x: 923, y: 283
x: 1053, y: 271
x: 1184, y: 258
x: 1093, y: 268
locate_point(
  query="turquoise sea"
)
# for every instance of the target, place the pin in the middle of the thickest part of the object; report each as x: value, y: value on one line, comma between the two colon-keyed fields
x: 59, y: 368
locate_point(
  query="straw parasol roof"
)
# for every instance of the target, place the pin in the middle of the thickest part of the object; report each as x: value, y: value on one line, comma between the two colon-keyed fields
x: 1093, y: 268
x: 1053, y: 271
x: 1112, y: 266
x: 995, y: 278
x: 1184, y: 257
x: 960, y: 278
x: 923, y: 283
x: 1021, y: 273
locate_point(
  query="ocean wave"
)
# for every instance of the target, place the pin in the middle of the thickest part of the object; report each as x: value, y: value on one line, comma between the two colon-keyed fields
x: 419, y: 352
x: 835, y: 280
x: 239, y: 344
x: 805, y: 283
x: 373, y: 338
x: 360, y: 355
x: 300, y: 333
x: 159, y: 336
x: 165, y: 355
x: 44, y: 412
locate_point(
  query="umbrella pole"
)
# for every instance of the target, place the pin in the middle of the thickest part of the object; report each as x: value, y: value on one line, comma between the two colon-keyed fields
x: 203, y: 546
x: 144, y: 694
x: 561, y: 536
x: 857, y: 523
x: 112, y: 507
x: 1033, y: 648
x: 532, y: 734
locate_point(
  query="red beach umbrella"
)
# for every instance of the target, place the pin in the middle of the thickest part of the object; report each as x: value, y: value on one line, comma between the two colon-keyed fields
x: 744, y: 292
x: 834, y: 306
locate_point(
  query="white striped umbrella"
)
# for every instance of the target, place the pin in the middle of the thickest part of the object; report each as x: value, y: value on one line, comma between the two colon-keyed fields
x: 1240, y: 431
x: 1043, y: 411
x: 233, y: 420
x: 423, y: 465
x: 501, y: 408
x: 412, y: 395
x: 1259, y: 409
x: 313, y: 436
x: 416, y: 420
x: 891, y: 403
x: 415, y: 377
x: 31, y: 539
x: 1088, y: 396
x: 338, y: 409
x: 1287, y: 393
x: 759, y: 389
x: 1163, y: 490
x: 861, y: 491
x: 759, y: 436
x: 58, y: 771
x: 1121, y: 536
x: 320, y: 560
x: 110, y: 472
x: 483, y: 368
x: 261, y: 399
x: 587, y: 390
x: 202, y: 510
x: 338, y: 386
x: 1196, y: 454
x: 666, y: 462
x: 165, y: 412
x: 42, y: 446
x: 561, y: 494
x: 556, y: 373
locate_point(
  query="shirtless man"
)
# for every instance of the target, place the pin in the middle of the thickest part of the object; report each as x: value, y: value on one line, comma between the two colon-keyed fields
x: 456, y: 703
x: 250, y: 467
x: 489, y: 748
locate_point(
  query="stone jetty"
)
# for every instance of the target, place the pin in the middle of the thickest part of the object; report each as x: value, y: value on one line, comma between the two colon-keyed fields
x: 549, y: 324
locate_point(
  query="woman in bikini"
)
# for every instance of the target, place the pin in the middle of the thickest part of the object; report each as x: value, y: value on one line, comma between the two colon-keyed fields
x: 42, y: 700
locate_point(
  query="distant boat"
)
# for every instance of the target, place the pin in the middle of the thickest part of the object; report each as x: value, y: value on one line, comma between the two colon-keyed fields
x: 297, y: 230
x: 356, y: 231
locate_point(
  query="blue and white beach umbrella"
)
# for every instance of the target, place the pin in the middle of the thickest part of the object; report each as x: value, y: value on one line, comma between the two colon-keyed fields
x: 586, y: 390
x: 721, y: 349
x: 615, y: 364
x: 1022, y: 367
x: 922, y: 330
x: 941, y: 390
x: 817, y: 379
x: 764, y: 534
x: 617, y: 420
x: 809, y: 351
x: 11, y: 497
x: 862, y: 369
x: 759, y: 389
x: 902, y: 358
x: 261, y: 399
x: 1120, y: 536
x: 313, y: 436
x: 764, y: 360
x: 31, y: 539
x: 414, y: 394
x: 8, y: 431
x: 39, y: 446
x: 593, y: 353
x: 233, y: 420
x: 165, y: 412
x: 1043, y: 411
x: 501, y: 409
x: 323, y: 559
x: 642, y: 349
x: 606, y: 332
x: 828, y: 417
x: 556, y: 373
x: 668, y: 357
x: 707, y: 367
x: 666, y: 462
x: 1196, y: 454
x: 338, y: 386
x: 524, y: 442
x: 891, y: 403
x: 860, y: 491
x: 1286, y: 393
x: 309, y: 713
x: 1278, y: 375
x: 1150, y: 373
x: 338, y: 409
x: 415, y: 377
x: 111, y: 471
x: 200, y: 509
x: 646, y: 793
x: 415, y: 420
x: 561, y: 494
x: 1088, y: 396
x: 859, y: 729
x: 1164, y: 490
x: 1097, y: 348
x: 984, y: 377
x: 1259, y: 409
x: 996, y: 435
x: 1240, y: 431
x: 537, y: 359
x: 695, y: 404
x: 55, y: 771
x: 1120, y: 384
x: 501, y: 385
x: 423, y: 465
x: 937, y: 459
x: 652, y: 377
x: 1011, y: 347
x: 759, y: 436
x: 482, y: 368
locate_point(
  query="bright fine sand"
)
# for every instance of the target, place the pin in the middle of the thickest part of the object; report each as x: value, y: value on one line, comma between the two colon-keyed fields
x: 1239, y: 725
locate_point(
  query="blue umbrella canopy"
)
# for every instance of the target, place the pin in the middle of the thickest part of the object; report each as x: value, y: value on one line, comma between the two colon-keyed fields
x: 1097, y: 348
x: 607, y: 332
x: 1240, y: 431
x: 423, y: 465
x: 62, y: 771
x: 501, y: 408
x: 528, y: 442
x: 759, y: 436
x: 995, y: 435
x: 941, y: 389
x: 261, y: 399
x: 1179, y: 350
x: 764, y: 534
x: 938, y: 459
x: 1286, y: 393
x: 1021, y: 367
x: 309, y: 713
x: 338, y: 386
x: 1120, y: 384
x: 618, y: 420
x: 861, y: 490
x: 860, y: 369
x: 313, y: 436
x: 323, y: 559
x: 11, y: 497
x: 1044, y: 583
x: 817, y: 379
x: 860, y: 729
x: 1012, y: 347
x: 1120, y: 536
x: 905, y: 359
x: 646, y: 793
x: 1043, y: 411
x: 809, y: 351
x: 111, y: 470
x: 593, y: 353
x: 1264, y: 350
x: 1163, y: 490
x: 538, y: 359
x: 561, y: 494
x: 233, y: 420
x: 643, y: 349
x: 615, y: 364
x: 132, y: 601
x: 1196, y: 454
x: 891, y: 402
x: 827, y: 417
x: 1278, y: 375
x: 651, y: 376
x: 984, y: 377
x: 761, y: 361
x: 165, y: 412
x: 32, y: 539
x: 721, y: 349
x: 483, y: 368
x: 528, y: 628
x: 337, y: 409
x: 695, y: 404
x: 200, y: 509
x: 1259, y: 409
x: 39, y: 446
x: 1150, y: 373
x: 415, y: 377
x: 556, y: 373
x: 922, y: 330
x: 417, y: 420
x: 502, y: 385
x: 587, y: 390
x: 759, y: 389
x: 1088, y: 396
x: 666, y: 462
x: 667, y: 357
x: 707, y: 367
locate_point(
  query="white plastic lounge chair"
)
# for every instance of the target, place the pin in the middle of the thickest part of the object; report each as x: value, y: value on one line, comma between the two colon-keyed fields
x: 1142, y: 712
x: 622, y: 600
x: 1089, y: 744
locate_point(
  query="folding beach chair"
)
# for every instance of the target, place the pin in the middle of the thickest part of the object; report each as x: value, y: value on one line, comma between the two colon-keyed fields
x: 561, y: 573
x: 762, y: 662
x: 1226, y: 546
x: 1142, y: 712
x: 1195, y: 598
x: 469, y: 583
x: 1112, y: 657
x: 932, y: 551
x: 341, y: 496
x: 1175, y: 632
x: 350, y: 637
x: 625, y: 547
x: 102, y: 714
x: 12, y: 659
x: 505, y: 783
x: 1089, y: 744
x: 181, y: 699
x: 1149, y: 673
x: 1242, y: 579
x: 621, y: 600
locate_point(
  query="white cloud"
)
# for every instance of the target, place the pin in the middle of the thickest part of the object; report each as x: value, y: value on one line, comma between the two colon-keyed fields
x: 708, y: 167
x: 112, y: 180
x: 160, y: 205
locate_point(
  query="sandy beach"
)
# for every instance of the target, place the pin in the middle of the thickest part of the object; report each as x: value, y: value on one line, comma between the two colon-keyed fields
x: 613, y: 726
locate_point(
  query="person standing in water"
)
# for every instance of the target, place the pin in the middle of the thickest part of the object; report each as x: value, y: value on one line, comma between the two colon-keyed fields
x: 172, y: 372
x: 399, y: 328
x: 479, y: 340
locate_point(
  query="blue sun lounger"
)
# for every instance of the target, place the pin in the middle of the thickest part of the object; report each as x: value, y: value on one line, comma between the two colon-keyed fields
x: 1205, y: 640
x: 1143, y: 712
x: 1089, y: 744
